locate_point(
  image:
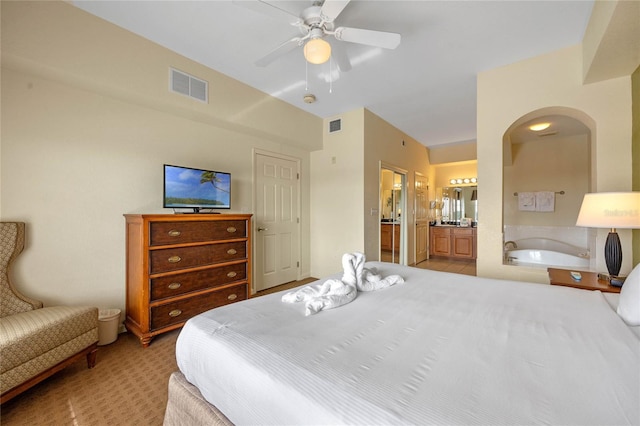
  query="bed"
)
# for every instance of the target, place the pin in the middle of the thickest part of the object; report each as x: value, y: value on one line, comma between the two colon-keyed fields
x: 439, y: 348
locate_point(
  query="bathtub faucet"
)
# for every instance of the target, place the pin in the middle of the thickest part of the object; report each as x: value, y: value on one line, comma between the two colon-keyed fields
x: 513, y: 244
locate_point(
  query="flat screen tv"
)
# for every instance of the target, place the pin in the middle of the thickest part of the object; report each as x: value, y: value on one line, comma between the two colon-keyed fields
x: 196, y: 189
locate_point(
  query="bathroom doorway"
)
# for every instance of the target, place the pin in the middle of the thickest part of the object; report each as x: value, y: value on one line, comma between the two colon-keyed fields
x: 547, y: 169
x: 393, y: 210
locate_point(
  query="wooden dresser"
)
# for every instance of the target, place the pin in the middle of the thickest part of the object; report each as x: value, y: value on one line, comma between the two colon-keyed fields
x: 181, y: 265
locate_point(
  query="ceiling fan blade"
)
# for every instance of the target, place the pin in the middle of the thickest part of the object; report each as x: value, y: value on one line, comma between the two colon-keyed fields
x: 339, y: 55
x: 285, y: 47
x: 269, y: 10
x: 332, y: 8
x: 368, y: 37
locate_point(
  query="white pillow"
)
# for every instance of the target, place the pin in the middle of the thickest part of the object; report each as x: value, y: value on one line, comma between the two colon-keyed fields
x: 629, y: 302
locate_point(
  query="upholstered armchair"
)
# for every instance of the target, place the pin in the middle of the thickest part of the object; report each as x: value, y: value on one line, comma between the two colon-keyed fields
x: 36, y: 342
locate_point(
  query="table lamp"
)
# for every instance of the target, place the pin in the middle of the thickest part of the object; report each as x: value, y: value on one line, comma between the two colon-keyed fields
x: 611, y: 210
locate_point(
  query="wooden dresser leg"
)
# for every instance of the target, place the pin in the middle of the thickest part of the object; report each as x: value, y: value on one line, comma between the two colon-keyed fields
x: 145, y: 341
x: 91, y: 357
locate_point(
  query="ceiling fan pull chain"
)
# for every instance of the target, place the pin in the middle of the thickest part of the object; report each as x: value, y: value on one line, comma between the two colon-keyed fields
x: 306, y: 76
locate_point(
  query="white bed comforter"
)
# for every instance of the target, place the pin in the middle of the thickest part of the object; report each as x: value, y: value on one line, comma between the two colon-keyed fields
x: 439, y: 349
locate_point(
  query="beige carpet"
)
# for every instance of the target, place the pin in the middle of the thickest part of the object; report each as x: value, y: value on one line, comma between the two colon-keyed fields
x: 128, y: 386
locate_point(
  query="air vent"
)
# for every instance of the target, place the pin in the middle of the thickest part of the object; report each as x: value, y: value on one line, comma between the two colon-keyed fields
x: 547, y: 134
x: 335, y: 125
x: 188, y: 85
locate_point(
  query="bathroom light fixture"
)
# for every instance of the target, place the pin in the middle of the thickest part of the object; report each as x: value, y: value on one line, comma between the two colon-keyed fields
x: 611, y: 210
x: 458, y: 181
x: 539, y: 127
x: 317, y: 51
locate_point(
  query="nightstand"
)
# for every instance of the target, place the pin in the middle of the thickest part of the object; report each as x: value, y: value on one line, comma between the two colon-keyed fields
x: 589, y: 280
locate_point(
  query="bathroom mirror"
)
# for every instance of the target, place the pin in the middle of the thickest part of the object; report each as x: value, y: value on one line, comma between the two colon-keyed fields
x: 458, y: 202
x: 392, y: 205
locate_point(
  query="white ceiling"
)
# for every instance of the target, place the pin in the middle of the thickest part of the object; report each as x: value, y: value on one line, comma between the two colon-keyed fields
x: 426, y: 87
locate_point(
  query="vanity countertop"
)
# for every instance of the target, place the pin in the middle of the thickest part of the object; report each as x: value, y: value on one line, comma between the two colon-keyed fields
x: 446, y: 225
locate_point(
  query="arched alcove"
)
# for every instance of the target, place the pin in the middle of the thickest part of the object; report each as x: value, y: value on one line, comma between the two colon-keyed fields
x: 545, y: 176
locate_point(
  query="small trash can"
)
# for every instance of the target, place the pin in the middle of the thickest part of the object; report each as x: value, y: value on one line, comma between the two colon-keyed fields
x: 108, y: 323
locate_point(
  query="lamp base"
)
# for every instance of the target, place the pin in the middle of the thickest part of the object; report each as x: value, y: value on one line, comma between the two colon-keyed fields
x: 613, y: 253
x: 617, y: 281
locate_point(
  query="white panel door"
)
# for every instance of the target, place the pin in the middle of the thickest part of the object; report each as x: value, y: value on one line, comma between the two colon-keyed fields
x: 422, y: 217
x: 277, y: 240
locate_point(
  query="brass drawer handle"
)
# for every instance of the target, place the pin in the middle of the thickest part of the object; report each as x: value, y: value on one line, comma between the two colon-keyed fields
x: 231, y: 274
x: 175, y: 313
x: 232, y: 296
x: 174, y: 233
x: 231, y: 251
x: 174, y: 259
x: 231, y: 229
x: 174, y: 286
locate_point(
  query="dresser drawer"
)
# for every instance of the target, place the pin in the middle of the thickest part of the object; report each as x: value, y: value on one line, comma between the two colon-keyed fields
x: 181, y: 310
x: 164, y: 233
x: 174, y: 259
x: 174, y: 285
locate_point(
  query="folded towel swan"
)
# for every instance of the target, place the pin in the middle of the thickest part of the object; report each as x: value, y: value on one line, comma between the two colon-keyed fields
x: 316, y: 297
x: 334, y: 293
x: 368, y: 279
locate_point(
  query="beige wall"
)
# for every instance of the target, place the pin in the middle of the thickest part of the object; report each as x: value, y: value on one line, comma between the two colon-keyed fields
x: 345, y: 187
x: 462, y: 169
x: 87, y: 123
x: 453, y: 153
x: 337, y: 201
x: 611, y: 44
x: 386, y: 144
x: 552, y: 164
x: 504, y: 95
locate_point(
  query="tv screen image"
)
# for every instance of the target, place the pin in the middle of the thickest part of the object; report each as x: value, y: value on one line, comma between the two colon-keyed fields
x: 196, y: 189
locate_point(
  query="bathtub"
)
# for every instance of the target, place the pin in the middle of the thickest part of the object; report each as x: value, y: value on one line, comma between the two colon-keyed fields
x: 546, y: 252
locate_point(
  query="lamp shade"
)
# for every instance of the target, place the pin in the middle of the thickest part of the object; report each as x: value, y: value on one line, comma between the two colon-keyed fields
x: 610, y: 210
x: 317, y: 51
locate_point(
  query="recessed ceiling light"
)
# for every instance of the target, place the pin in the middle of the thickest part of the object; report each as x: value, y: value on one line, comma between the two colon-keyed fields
x: 539, y: 127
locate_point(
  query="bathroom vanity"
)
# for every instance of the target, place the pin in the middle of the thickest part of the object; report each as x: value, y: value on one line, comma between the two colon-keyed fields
x: 390, y: 235
x: 453, y: 241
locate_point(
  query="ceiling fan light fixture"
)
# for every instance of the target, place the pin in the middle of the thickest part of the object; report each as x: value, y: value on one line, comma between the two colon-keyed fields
x: 317, y: 51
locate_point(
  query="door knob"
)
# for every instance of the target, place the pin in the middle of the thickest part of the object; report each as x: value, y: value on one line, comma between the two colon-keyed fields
x: 263, y: 229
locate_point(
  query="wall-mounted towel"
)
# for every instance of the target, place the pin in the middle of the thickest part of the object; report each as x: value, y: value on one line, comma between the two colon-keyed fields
x: 545, y: 201
x: 527, y: 201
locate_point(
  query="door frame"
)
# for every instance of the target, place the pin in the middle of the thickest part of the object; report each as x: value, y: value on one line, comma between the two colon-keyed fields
x: 419, y: 177
x: 403, y: 255
x: 254, y: 194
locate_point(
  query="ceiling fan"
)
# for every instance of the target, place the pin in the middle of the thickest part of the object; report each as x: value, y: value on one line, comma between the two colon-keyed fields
x: 316, y: 22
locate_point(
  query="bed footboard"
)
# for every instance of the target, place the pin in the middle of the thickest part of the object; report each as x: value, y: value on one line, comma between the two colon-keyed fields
x: 187, y: 407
